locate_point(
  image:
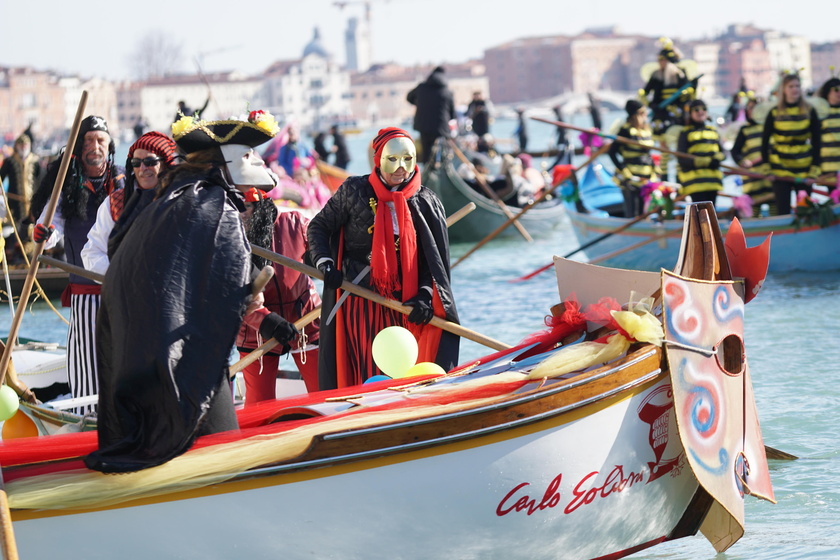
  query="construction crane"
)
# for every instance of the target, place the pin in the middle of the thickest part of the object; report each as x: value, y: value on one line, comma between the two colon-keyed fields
x: 367, y: 31
x: 344, y: 3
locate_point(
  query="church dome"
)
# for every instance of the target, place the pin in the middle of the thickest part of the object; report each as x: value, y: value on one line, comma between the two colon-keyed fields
x: 315, y: 46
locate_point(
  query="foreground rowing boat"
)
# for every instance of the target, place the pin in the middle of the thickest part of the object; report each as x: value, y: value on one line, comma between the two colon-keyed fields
x: 578, y: 443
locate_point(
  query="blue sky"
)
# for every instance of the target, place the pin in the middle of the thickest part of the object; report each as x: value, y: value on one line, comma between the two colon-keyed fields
x: 96, y: 37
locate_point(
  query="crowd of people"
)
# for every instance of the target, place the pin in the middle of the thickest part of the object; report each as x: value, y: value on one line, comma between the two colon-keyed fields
x: 176, y: 223
x: 790, y: 147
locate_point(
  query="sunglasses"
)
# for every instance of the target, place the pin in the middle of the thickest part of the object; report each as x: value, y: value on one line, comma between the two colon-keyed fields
x: 150, y: 161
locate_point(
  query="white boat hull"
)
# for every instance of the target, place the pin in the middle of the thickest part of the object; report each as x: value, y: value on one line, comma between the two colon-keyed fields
x: 575, y: 486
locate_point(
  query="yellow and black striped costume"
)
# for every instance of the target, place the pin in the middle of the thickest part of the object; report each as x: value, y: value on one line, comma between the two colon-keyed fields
x: 633, y: 165
x: 747, y: 148
x: 746, y: 152
x: 672, y: 113
x: 700, y: 173
x: 830, y: 151
x: 635, y: 159
x: 791, y: 141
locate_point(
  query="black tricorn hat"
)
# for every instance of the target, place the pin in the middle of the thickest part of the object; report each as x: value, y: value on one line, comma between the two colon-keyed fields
x: 197, y: 135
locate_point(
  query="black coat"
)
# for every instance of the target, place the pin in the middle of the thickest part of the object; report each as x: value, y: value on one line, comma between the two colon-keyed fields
x: 435, y: 105
x: 342, y: 154
x: 349, y: 210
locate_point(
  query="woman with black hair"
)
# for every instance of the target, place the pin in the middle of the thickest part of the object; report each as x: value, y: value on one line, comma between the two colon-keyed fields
x: 633, y: 163
x: 700, y: 175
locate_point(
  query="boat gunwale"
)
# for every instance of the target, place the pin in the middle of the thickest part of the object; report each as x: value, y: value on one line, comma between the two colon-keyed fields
x: 599, y: 374
x: 452, y: 438
x: 533, y: 395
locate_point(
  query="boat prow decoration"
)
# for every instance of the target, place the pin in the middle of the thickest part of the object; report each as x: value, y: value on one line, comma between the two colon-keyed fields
x: 710, y: 385
x: 749, y: 263
x: 712, y: 389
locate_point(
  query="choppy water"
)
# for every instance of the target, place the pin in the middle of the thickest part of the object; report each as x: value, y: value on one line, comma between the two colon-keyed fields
x: 795, y: 364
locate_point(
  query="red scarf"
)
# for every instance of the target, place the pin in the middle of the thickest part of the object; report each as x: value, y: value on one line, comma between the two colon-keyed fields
x: 383, y: 261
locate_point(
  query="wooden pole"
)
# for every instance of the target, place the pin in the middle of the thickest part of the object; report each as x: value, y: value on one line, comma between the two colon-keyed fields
x: 72, y: 268
x: 488, y: 191
x: 7, y: 533
x: 348, y: 286
x: 457, y: 215
x: 633, y: 247
x: 492, y: 235
x: 26, y: 291
x: 315, y: 313
x: 592, y: 242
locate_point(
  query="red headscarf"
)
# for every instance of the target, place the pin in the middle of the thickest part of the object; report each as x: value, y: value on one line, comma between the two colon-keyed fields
x: 383, y: 262
x: 159, y: 144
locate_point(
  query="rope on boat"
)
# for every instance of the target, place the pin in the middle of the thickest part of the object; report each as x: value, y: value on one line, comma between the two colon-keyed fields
x: 41, y: 293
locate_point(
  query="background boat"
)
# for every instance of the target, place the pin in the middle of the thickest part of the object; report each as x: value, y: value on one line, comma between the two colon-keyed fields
x: 52, y: 280
x: 331, y: 175
x: 441, y: 176
x: 651, y: 244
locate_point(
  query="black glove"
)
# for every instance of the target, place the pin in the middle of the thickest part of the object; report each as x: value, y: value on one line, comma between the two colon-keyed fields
x: 41, y: 232
x: 276, y: 327
x: 422, y: 311
x: 715, y: 164
x: 332, y: 276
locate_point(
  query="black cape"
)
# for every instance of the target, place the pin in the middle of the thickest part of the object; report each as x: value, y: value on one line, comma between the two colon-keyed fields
x: 172, y: 303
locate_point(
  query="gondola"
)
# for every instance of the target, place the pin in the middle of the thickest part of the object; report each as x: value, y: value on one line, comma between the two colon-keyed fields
x: 441, y: 176
x: 553, y: 448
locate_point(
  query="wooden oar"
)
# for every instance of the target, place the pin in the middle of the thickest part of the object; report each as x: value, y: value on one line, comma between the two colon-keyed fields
x: 7, y: 533
x: 456, y: 216
x: 592, y: 242
x: 72, y: 268
x: 778, y: 454
x: 633, y: 247
x: 628, y: 141
x: 39, y: 247
x: 443, y: 324
x: 489, y: 191
x: 528, y: 206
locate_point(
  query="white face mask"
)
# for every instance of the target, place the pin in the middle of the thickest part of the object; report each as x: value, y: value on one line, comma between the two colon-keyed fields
x: 245, y: 166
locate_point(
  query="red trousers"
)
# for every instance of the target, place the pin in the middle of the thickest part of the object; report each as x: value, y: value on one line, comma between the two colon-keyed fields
x: 261, y: 376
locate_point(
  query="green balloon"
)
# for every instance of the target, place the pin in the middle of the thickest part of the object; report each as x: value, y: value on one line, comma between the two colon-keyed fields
x: 395, y: 350
x: 9, y: 402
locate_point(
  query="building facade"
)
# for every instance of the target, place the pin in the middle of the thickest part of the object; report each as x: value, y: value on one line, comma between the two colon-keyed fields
x: 312, y: 92
x: 315, y: 92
